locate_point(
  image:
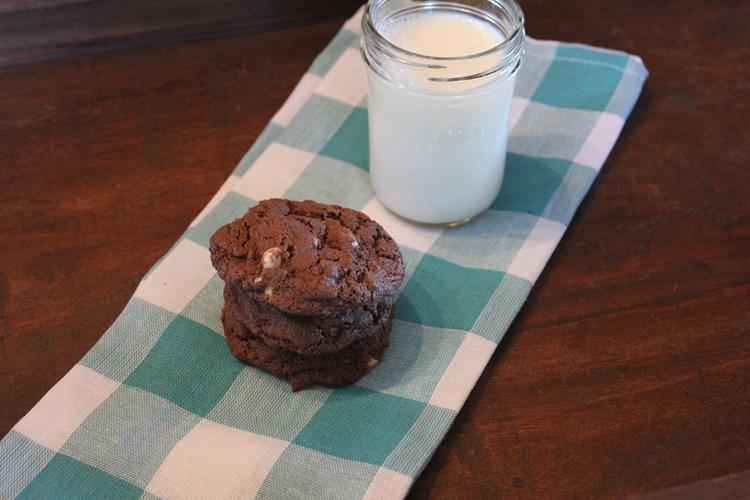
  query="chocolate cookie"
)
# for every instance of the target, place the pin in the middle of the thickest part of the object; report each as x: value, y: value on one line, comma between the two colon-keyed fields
x: 308, y: 258
x: 309, y: 335
x: 330, y: 370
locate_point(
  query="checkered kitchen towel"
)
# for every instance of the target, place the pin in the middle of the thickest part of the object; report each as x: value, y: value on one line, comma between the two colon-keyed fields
x: 160, y: 408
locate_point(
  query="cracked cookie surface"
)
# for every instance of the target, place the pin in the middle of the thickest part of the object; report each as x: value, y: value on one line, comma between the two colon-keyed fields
x: 307, y: 258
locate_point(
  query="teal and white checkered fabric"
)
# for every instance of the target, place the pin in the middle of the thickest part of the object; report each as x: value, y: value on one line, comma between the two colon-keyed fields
x: 160, y: 408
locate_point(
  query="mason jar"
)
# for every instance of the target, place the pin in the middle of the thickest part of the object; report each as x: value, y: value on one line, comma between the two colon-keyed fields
x: 441, y: 77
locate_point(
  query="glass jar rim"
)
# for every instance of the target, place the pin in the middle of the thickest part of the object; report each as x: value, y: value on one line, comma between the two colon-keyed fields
x: 369, y: 28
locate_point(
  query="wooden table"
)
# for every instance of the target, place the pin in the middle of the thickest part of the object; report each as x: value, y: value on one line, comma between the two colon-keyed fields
x: 628, y: 371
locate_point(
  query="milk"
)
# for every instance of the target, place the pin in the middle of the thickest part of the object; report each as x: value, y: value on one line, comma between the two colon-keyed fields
x: 437, y: 149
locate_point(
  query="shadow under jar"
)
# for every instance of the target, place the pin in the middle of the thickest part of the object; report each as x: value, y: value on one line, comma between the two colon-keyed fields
x: 441, y: 77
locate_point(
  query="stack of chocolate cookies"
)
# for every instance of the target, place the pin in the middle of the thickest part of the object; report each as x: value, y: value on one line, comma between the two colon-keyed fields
x: 309, y: 290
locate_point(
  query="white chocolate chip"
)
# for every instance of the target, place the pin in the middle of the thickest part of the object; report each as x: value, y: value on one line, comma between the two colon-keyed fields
x: 271, y: 258
x: 355, y: 243
x: 371, y: 363
x: 268, y: 291
x: 257, y: 280
x: 316, y: 242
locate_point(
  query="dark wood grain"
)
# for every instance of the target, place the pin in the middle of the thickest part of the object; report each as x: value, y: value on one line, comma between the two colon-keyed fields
x: 47, y: 29
x: 733, y: 486
x: 628, y: 371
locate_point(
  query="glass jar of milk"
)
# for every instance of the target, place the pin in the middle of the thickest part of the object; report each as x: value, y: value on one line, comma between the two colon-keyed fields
x: 441, y: 78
